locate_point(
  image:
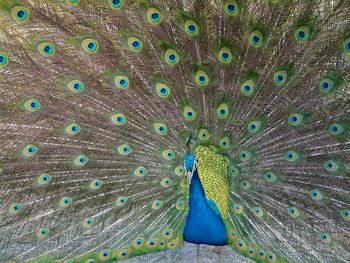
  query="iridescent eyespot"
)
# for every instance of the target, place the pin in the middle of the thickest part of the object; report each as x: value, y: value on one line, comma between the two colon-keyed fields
x: 346, y: 46
x: 180, y: 205
x: 280, y: 78
x: 135, y: 44
x: 225, y: 55
x: 291, y: 156
x: 88, y: 222
x: 331, y: 166
x: 189, y: 113
x: 30, y: 150
x: 325, y: 237
x: 168, y: 233
x: 73, y: 2
x: 90, y: 45
x: 20, y: 14
x: 179, y: 170
x: 96, y: 184
x: 65, y: 202
x: 123, y: 254
x: 234, y: 171
x: 174, y: 244
x: 163, y: 90
x: 293, y: 212
x: 238, y: 208
x: 140, y: 171
x: 154, y: 16
x: 138, y: 243
x: 202, y: 78
x: 73, y: 129
x: 191, y: 28
x: 43, y: 232
x: 44, y: 179
x: 160, y: 128
x: 90, y: 260
x: 46, y: 49
x: 122, y: 82
x: 105, y: 255
x: 251, y: 252
x: 247, y: 88
x: 295, y: 119
x: 223, y: 111
x: 302, y: 34
x: 326, y: 85
x: 254, y: 126
x: 315, y: 194
x: 261, y: 254
x: 336, y: 129
x: 245, y: 156
x: 81, y: 160
x: 124, y: 149
x: 258, y: 211
x: 231, y: 8
x: 116, y: 4
x: 32, y: 105
x: 157, y: 204
x: 4, y: 60
x: 171, y: 57
x: 121, y: 201
x: 245, y: 185
x: 271, y: 257
x: 224, y: 143
x: 240, y: 244
x: 68, y: 261
x: 345, y: 214
x: 118, y: 119
x: 166, y: 182
x: 232, y: 234
x: 204, y: 134
x: 15, y: 208
x: 76, y: 86
x: 256, y: 39
x: 270, y: 176
x: 162, y: 244
x: 169, y: 154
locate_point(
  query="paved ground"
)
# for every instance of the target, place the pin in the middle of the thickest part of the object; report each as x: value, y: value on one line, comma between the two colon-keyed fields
x: 188, y: 254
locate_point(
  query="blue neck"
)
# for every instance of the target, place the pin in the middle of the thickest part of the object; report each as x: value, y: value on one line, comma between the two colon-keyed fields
x: 203, y: 224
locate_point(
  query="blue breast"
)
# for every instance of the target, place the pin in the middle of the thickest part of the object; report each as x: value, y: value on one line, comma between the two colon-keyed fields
x: 203, y: 224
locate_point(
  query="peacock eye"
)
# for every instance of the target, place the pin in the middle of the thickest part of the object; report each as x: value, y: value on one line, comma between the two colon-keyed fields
x: 225, y: 55
x: 171, y: 57
x: 20, y: 14
x: 302, y: 34
x: 116, y: 4
x: 161, y: 128
x: 46, y: 49
x: 223, y: 111
x: 256, y: 39
x: 124, y: 149
x: 135, y: 44
x: 280, y: 78
x: 90, y: 45
x: 231, y: 8
x: 163, y: 90
x: 3, y: 59
x: 191, y: 28
x: 247, y: 88
x: 202, y: 78
x: 154, y: 16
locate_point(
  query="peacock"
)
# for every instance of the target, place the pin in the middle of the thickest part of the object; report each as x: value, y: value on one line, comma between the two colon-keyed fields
x: 131, y: 128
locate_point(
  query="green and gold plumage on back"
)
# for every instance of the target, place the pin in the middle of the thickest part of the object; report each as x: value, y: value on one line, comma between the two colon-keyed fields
x: 98, y: 100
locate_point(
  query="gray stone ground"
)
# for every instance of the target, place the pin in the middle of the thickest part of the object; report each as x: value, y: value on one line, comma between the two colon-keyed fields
x: 188, y: 253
